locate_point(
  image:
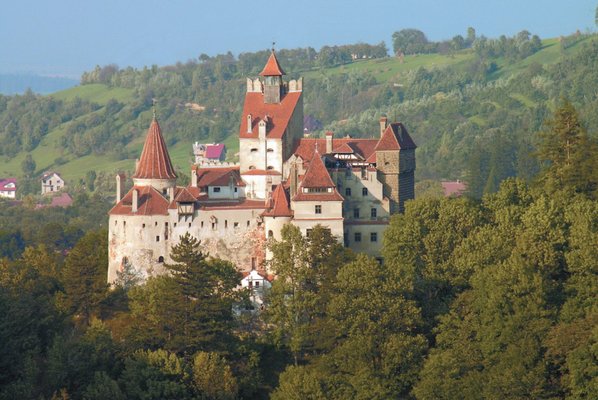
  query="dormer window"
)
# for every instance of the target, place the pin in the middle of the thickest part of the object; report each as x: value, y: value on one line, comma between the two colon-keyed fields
x: 185, y: 208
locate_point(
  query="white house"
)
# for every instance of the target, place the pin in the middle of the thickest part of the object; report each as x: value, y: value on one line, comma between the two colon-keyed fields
x: 51, y: 182
x: 8, y: 188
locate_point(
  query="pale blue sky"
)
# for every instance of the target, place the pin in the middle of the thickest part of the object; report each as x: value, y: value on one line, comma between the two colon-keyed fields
x: 66, y: 37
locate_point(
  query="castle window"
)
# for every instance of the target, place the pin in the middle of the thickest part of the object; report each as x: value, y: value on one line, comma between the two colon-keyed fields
x: 156, y: 223
x: 373, y: 212
x: 270, y: 150
x: 166, y: 231
x: 213, y: 225
x: 174, y: 224
x: 254, y: 150
x: 216, y: 190
x: 236, y: 225
x: 357, y: 236
x: 364, y: 192
x: 270, y: 234
x: 247, y: 223
x: 143, y: 225
x: 348, y: 192
x: 356, y: 213
x: 124, y: 224
x: 115, y: 222
x: 202, y: 224
x: 189, y: 224
x: 252, y: 167
x: 225, y: 223
x: 257, y: 284
x: 157, y: 238
x: 373, y: 236
x: 270, y: 167
x: 161, y: 259
x: 318, y: 209
x: 236, y: 189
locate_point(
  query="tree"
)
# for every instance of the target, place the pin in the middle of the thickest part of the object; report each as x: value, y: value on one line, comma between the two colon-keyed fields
x: 90, y: 179
x: 213, y: 378
x: 570, y: 156
x: 28, y: 166
x: 409, y: 41
x: 84, y: 275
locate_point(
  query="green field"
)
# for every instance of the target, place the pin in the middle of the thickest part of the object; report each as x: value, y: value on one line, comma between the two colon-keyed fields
x: 96, y: 92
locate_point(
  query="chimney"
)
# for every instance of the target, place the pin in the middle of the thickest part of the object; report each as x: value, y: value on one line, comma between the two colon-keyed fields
x: 171, y: 193
x: 135, y: 202
x: 329, y: 142
x: 249, y: 124
x: 194, y: 177
x: 120, y: 178
x: 262, y: 128
x: 383, y: 122
x: 294, y: 178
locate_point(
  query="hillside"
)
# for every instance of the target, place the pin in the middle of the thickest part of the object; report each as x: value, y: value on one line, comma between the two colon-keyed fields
x: 431, y: 93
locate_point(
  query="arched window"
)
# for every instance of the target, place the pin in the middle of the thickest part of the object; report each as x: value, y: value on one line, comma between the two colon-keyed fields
x: 252, y: 167
x: 270, y: 167
x: 161, y: 259
x: 270, y: 150
x: 270, y: 234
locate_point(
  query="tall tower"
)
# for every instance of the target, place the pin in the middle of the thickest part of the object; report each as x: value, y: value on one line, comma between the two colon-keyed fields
x: 272, y: 74
x: 154, y: 167
x: 395, y: 162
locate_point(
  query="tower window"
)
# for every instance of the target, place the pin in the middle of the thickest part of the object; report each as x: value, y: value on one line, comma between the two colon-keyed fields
x: 357, y: 236
x: 254, y: 150
x: 270, y: 150
x: 373, y: 212
x: 364, y: 191
x: 161, y: 259
x: 270, y: 234
x: 373, y: 236
x: 348, y: 192
x: 157, y: 238
x: 318, y: 209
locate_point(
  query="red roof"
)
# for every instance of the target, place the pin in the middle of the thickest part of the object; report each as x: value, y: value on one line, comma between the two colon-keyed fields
x: 453, y: 188
x: 218, y: 176
x: 214, y: 151
x: 395, y: 137
x: 5, y: 182
x: 279, y: 114
x: 317, y: 175
x: 242, y: 204
x: 154, y: 162
x: 305, y: 147
x: 333, y: 196
x: 280, y: 206
x: 150, y: 202
x: 272, y: 67
x: 62, y: 200
x: 261, y: 172
x: 184, y: 196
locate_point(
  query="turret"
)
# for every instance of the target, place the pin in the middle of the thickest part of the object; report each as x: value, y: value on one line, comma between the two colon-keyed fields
x: 272, y: 74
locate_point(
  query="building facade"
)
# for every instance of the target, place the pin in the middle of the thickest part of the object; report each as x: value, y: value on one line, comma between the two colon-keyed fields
x: 8, y: 188
x: 351, y: 186
x: 51, y: 183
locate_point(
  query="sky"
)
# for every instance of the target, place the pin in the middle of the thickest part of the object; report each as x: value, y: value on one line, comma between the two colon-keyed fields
x: 67, y: 37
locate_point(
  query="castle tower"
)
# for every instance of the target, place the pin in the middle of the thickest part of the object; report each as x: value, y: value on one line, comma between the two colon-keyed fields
x: 395, y: 162
x: 154, y: 167
x: 272, y: 120
x: 272, y: 74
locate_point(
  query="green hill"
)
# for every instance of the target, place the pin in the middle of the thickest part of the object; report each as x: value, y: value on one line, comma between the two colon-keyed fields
x: 87, y: 142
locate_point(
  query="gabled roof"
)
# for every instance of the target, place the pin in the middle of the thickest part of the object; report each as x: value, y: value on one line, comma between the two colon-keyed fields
x: 280, y: 204
x: 395, y: 137
x: 47, y: 174
x: 279, y: 114
x: 151, y: 202
x: 317, y: 175
x: 154, y: 162
x: 214, y: 151
x: 184, y: 196
x: 305, y: 147
x: 8, y: 184
x: 272, y: 67
x: 218, y: 176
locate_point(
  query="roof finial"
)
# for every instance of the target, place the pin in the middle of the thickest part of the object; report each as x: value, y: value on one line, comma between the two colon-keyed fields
x: 154, y: 107
x: 273, y: 44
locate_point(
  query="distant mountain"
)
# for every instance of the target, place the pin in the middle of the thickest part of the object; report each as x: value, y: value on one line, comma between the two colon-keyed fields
x: 19, y: 83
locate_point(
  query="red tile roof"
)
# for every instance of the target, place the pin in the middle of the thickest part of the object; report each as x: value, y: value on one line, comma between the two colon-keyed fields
x: 62, y: 200
x: 279, y: 114
x: 334, y: 196
x: 242, y: 204
x: 272, y: 67
x: 395, y: 137
x: 184, y: 196
x: 261, y: 172
x: 453, y: 188
x: 154, y: 162
x: 151, y: 202
x: 305, y: 147
x: 218, y: 176
x: 280, y: 206
x: 317, y: 175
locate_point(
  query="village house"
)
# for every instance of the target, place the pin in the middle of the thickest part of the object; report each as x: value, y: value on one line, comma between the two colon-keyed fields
x: 350, y: 186
x: 51, y: 182
x: 8, y: 188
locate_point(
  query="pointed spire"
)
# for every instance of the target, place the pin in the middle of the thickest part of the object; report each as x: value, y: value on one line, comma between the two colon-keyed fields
x: 154, y: 162
x: 272, y: 67
x: 280, y: 206
x: 317, y: 175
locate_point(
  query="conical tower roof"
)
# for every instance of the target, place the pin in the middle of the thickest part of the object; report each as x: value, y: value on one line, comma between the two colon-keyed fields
x: 317, y: 175
x: 154, y: 162
x: 272, y: 67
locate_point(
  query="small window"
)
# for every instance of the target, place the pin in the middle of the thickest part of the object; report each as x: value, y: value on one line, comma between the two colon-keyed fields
x: 174, y: 224
x: 356, y: 213
x: 270, y: 234
x: 216, y: 190
x: 156, y: 223
x: 254, y: 150
x: 357, y: 236
x: 202, y: 224
x: 189, y: 224
x: 270, y: 167
x: 318, y: 209
x: 161, y: 259
x: 213, y: 225
x: 373, y: 236
x: 143, y: 225
x: 115, y: 222
x: 364, y: 191
x: 252, y: 167
x: 348, y: 192
x: 157, y: 238
x: 236, y: 225
x: 225, y: 223
x: 270, y: 150
x: 236, y: 189
x: 257, y: 284
x: 124, y: 224
x: 247, y: 223
x: 373, y: 212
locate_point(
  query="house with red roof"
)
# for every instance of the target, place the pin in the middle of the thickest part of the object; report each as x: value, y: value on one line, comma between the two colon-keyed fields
x: 351, y: 186
x: 213, y: 153
x: 8, y: 188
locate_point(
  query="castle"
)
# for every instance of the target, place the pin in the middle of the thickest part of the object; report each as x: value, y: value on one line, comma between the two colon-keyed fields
x: 351, y: 186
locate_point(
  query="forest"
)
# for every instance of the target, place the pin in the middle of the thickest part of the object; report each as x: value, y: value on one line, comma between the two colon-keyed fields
x: 477, y: 298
